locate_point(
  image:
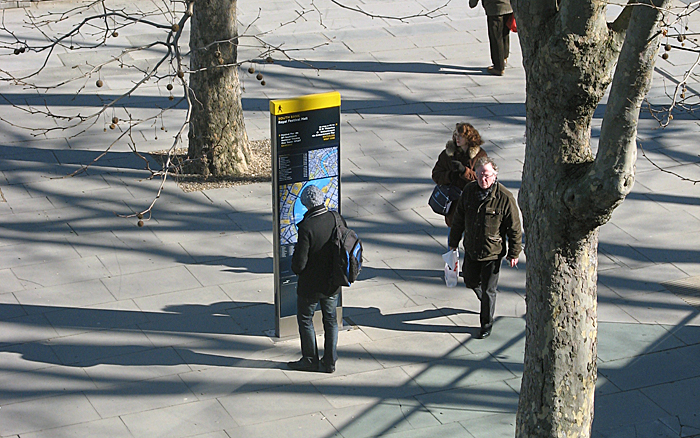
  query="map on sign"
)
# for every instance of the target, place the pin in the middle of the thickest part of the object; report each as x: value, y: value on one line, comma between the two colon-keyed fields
x: 292, y: 210
x: 323, y: 163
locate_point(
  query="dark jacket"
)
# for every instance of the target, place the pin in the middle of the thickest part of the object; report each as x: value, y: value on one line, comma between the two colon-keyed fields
x: 444, y: 175
x: 487, y: 224
x: 494, y: 7
x: 311, y: 260
x: 442, y: 171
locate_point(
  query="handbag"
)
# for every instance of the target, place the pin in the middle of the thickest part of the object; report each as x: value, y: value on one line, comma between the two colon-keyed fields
x: 442, y: 197
x: 510, y: 23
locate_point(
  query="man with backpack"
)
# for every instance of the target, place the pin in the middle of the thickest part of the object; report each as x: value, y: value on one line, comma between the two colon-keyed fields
x: 312, y: 261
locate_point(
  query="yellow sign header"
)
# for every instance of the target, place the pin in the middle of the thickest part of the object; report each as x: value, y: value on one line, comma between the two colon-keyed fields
x: 305, y: 103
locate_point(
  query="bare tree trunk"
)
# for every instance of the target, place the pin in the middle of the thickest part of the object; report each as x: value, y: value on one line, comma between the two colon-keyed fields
x: 569, y: 53
x: 218, y: 142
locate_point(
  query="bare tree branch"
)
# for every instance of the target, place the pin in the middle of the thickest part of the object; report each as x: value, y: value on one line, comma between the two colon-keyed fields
x: 679, y: 176
x: 433, y: 13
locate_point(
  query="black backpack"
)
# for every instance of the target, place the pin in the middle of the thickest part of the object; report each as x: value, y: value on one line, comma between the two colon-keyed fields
x: 347, y: 255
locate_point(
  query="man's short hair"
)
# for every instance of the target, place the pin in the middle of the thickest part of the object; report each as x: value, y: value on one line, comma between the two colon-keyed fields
x: 312, y: 197
x: 483, y: 161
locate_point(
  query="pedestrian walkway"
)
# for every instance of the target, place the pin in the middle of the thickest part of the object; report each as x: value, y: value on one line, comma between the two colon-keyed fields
x: 111, y: 330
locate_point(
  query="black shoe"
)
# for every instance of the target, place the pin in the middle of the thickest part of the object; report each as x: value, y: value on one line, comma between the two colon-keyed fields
x: 303, y: 365
x: 327, y: 367
x: 484, y: 332
x: 494, y: 71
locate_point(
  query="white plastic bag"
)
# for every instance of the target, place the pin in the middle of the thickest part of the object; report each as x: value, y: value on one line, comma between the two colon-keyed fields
x: 451, y: 259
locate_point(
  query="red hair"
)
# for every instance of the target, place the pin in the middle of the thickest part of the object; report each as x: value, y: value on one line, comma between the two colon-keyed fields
x: 468, y: 131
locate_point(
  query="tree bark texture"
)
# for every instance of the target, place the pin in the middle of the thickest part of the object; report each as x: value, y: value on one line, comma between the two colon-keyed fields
x: 571, y: 57
x: 218, y: 143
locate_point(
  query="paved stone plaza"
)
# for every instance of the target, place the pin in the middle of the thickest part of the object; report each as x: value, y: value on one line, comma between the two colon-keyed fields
x: 110, y: 330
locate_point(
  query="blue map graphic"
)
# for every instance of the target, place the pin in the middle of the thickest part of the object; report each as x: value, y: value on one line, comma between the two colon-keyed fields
x: 292, y: 210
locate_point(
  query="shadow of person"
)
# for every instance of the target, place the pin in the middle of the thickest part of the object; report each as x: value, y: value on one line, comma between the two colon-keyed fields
x: 427, y: 320
x: 86, y: 356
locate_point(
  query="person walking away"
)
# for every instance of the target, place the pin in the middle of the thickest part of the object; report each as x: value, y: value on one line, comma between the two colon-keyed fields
x: 455, y: 164
x: 311, y: 261
x: 488, y: 220
x: 498, y: 12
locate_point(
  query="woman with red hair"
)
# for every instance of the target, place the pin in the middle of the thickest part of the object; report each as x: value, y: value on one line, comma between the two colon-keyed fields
x: 455, y: 165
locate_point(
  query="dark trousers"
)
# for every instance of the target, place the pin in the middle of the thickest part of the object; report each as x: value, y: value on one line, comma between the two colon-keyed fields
x: 483, y: 278
x: 499, y: 39
x: 305, y: 314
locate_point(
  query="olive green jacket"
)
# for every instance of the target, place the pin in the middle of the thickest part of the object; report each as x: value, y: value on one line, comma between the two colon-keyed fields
x: 491, y: 228
x: 494, y: 7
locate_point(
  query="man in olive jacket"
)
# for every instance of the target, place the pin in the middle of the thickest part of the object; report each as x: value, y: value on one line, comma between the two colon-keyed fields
x: 487, y: 216
x: 311, y: 261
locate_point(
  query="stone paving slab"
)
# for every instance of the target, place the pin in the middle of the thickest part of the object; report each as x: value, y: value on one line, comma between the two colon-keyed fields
x: 673, y: 398
x: 368, y: 387
x: 142, y: 396
x: 10, y: 283
x: 182, y: 420
x: 58, y: 381
x: 633, y: 374
x: 470, y: 403
x: 36, y: 415
x: 146, y: 284
x: 387, y: 418
x: 494, y: 425
x: 623, y: 410
x: 244, y: 407
x: 143, y: 258
x: 463, y: 371
x: 145, y: 366
x: 63, y: 296
x: 315, y: 424
x: 667, y: 309
x: 431, y: 344
x: 617, y: 341
x: 111, y: 427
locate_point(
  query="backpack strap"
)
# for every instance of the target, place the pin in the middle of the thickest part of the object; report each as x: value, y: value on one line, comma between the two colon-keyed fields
x: 336, y: 216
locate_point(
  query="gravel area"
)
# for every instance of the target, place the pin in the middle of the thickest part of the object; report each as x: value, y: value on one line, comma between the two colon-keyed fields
x: 259, y: 170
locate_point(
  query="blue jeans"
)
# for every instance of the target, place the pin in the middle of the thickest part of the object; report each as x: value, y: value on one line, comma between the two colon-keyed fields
x: 305, y: 314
